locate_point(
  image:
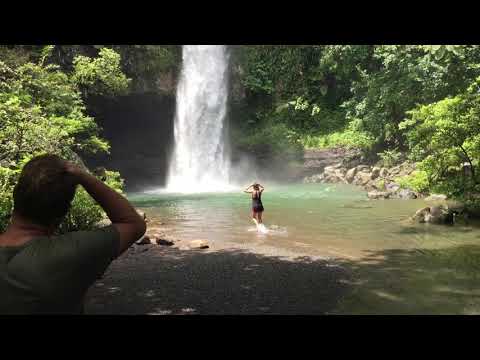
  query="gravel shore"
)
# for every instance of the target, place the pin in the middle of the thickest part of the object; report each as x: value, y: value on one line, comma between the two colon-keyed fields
x: 161, y: 280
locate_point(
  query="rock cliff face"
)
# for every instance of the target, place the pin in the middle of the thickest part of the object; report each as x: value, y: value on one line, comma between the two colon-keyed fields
x: 164, y: 84
x: 315, y: 161
x: 139, y: 128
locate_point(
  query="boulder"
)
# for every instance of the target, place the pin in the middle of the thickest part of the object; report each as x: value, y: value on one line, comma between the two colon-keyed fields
x: 314, y: 178
x: 421, y: 215
x: 375, y: 173
x: 329, y: 179
x: 406, y: 194
x: 383, y: 173
x: 165, y: 242
x: 363, y: 178
x: 352, y: 160
x: 378, y: 195
x: 144, y: 241
x: 435, y: 215
x: 198, y: 244
x: 392, y: 187
x: 363, y: 168
x: 440, y: 215
x: 405, y: 169
x: 436, y: 197
x: 340, y: 173
x: 329, y: 169
x: 350, y: 175
x: 370, y: 186
x: 395, y: 170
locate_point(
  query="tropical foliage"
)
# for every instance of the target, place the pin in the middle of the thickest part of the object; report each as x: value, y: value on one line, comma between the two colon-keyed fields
x: 42, y: 110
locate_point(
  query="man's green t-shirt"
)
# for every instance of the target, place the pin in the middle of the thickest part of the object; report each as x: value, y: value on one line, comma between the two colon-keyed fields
x: 52, y: 274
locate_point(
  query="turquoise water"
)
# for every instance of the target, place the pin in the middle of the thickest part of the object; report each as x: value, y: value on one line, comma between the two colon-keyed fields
x: 396, y: 266
x: 331, y: 220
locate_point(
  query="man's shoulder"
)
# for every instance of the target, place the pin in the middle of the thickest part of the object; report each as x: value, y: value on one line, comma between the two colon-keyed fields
x: 72, y: 244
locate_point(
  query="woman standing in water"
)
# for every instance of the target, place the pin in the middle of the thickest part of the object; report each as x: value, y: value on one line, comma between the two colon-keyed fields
x: 257, y: 207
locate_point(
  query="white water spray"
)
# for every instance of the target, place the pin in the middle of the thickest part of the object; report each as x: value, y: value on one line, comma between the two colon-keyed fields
x: 199, y: 161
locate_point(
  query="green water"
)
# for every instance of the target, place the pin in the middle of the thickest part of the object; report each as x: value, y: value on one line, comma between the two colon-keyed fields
x: 396, y: 266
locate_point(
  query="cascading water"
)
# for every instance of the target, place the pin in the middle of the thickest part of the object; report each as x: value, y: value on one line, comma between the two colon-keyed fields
x: 200, y: 162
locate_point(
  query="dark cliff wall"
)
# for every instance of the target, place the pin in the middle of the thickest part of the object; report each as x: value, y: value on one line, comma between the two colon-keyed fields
x: 139, y: 128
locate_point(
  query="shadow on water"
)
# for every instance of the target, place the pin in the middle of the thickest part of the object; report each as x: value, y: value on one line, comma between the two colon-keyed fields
x: 414, y: 281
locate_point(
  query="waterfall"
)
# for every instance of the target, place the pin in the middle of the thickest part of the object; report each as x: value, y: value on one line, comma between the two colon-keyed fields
x: 199, y: 161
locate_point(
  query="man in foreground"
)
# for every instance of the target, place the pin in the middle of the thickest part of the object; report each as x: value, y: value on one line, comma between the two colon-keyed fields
x: 44, y: 274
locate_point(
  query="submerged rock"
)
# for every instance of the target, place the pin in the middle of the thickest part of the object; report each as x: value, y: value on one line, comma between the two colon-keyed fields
x: 378, y: 195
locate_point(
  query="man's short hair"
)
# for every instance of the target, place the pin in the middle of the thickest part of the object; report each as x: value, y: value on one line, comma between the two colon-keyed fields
x: 44, y: 191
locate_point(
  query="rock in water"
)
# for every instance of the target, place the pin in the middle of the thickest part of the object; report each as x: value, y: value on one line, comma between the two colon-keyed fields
x: 378, y: 194
x: 406, y: 194
x: 435, y: 215
x: 421, y: 215
x: 436, y: 197
x: 441, y: 215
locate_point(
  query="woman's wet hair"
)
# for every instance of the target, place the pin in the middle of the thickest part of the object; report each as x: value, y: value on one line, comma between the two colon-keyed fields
x: 256, y: 187
x: 44, y: 191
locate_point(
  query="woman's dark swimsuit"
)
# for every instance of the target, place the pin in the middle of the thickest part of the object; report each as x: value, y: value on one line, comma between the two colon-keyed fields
x: 257, y: 205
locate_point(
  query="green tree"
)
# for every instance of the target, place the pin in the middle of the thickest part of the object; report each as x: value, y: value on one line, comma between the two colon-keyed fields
x: 445, y: 138
x: 42, y: 111
x: 399, y: 77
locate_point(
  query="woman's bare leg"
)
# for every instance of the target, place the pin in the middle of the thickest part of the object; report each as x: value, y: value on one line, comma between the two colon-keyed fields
x: 259, y: 215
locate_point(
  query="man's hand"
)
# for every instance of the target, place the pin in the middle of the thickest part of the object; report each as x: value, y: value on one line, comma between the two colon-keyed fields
x: 76, y: 171
x: 121, y: 213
